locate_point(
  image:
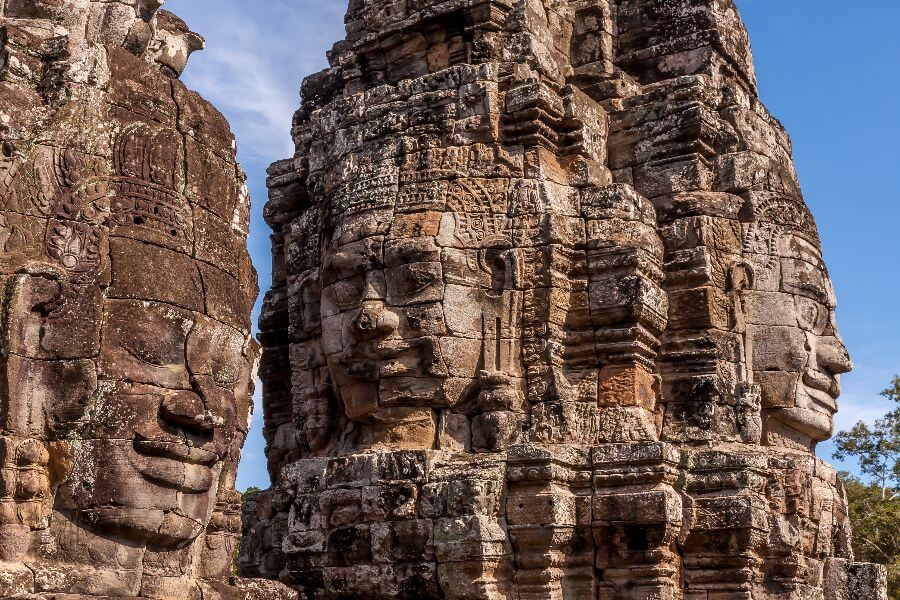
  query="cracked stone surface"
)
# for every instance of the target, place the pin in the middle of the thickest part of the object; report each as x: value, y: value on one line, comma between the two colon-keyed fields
x: 550, y: 318
x: 126, y: 363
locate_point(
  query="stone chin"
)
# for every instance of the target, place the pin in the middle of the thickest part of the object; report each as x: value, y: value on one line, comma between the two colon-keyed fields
x: 168, y: 530
x: 165, y: 493
x: 318, y: 437
x: 809, y: 418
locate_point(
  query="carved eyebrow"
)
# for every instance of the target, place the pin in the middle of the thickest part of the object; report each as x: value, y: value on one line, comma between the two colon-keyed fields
x: 817, y: 289
x: 808, y: 253
x: 346, y: 262
x: 419, y: 276
x: 396, y: 253
x: 154, y: 356
x: 418, y: 250
x: 144, y: 355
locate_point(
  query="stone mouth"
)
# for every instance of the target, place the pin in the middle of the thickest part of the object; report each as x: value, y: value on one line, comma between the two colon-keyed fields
x: 175, y: 465
x: 177, y: 451
x: 388, y: 358
x: 822, y: 389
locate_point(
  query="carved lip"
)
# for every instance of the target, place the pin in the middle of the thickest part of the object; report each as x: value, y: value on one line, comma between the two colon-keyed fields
x: 361, y: 368
x: 822, y: 389
x: 822, y: 382
x: 178, y: 451
x: 356, y: 354
x: 175, y: 465
x: 388, y: 358
x: 370, y: 367
x: 398, y: 368
x: 362, y: 363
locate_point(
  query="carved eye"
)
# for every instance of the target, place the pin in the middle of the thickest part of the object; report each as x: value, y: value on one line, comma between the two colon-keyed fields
x: 344, y: 265
x: 415, y: 279
x: 146, y: 353
x: 347, y: 293
x: 811, y: 315
x: 805, y: 279
x: 498, y: 274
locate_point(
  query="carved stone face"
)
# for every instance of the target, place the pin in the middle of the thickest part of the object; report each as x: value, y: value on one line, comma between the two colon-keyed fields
x: 172, y: 383
x: 797, y: 353
x: 381, y: 312
x: 127, y: 295
x: 173, y: 44
x: 417, y: 316
x: 147, y: 393
x: 318, y: 416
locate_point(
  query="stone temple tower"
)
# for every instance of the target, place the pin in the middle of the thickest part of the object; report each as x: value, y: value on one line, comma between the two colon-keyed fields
x: 550, y: 318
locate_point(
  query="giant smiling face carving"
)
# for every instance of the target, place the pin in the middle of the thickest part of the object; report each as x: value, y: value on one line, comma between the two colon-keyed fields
x: 797, y: 355
x: 163, y: 387
x: 171, y: 385
x: 382, y: 315
x: 126, y: 361
x: 417, y: 312
x: 127, y: 355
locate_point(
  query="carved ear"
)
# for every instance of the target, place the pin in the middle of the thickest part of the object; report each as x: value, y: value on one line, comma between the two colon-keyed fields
x: 28, y: 298
x: 24, y: 381
x: 741, y: 277
x: 39, y: 390
x: 222, y: 533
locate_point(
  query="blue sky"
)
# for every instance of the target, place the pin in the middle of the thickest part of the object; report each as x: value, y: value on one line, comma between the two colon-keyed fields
x: 829, y: 73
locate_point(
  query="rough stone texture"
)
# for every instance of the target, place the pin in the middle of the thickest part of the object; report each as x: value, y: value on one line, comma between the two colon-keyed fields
x: 549, y: 318
x: 126, y: 365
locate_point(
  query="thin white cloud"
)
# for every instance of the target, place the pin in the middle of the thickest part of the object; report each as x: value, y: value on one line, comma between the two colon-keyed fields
x: 256, y: 56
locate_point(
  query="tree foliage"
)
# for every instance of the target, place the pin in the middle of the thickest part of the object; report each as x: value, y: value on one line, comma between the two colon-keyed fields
x: 877, y: 449
x: 893, y: 392
x: 876, y: 528
x: 875, y: 506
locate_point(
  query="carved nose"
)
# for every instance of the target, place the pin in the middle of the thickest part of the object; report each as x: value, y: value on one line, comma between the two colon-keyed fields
x: 832, y: 355
x: 188, y: 409
x: 366, y: 321
x: 373, y: 319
